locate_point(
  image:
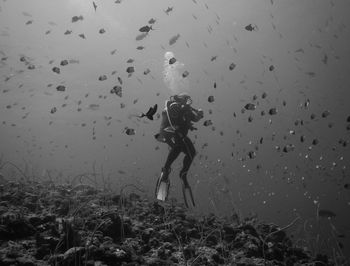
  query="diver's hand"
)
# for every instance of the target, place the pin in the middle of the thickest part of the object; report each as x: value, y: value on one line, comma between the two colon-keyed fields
x: 200, y: 113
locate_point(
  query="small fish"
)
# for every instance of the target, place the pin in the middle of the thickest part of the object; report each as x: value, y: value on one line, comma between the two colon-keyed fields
x: 150, y: 113
x: 325, y: 114
x: 82, y: 35
x: 101, y: 31
x: 272, y: 111
x: 47, y: 32
x: 147, y: 71
x: 140, y: 47
x: 315, y: 141
x: 130, y: 69
x: 185, y: 74
x: 250, y: 106
x: 172, y: 60
x: 74, y: 61
x: 117, y: 90
x: 77, y: 18
x: 232, y: 66
x: 141, y: 36
x: 95, y: 6
x: 56, y: 70
x: 102, y: 77
x: 120, y: 80
x: 211, y: 98
x: 130, y: 61
x: 113, y: 52
x: 67, y: 32
x: 129, y: 131
x: 146, y: 29
x: 250, y: 27
x: 173, y: 39
x: 168, y: 10
x: 26, y: 14
x: 207, y: 123
x: 213, y: 58
x: 271, y: 68
x: 64, y: 62
x: 29, y: 22
x: 53, y: 110
x: 152, y: 21
x: 60, y: 88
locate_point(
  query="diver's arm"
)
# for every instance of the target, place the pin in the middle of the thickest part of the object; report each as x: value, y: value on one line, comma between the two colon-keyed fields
x: 196, y: 114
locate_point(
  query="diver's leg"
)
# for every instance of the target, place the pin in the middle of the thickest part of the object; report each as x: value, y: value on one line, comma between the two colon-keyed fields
x: 190, y: 152
x: 174, y: 152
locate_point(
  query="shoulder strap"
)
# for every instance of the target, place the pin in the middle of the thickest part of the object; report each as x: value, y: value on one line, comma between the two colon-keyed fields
x: 167, y: 113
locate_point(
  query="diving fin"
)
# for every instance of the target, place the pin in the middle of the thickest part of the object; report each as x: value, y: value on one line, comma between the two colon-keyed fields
x: 187, y: 193
x: 162, y: 188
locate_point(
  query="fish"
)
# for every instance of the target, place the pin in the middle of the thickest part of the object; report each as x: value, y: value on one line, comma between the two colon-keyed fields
x: 172, y: 60
x: 29, y: 22
x: 120, y: 80
x: 150, y: 113
x: 141, y: 36
x: 102, y: 77
x: 211, y: 98
x: 94, y: 106
x: 130, y: 69
x: 207, y: 123
x: 250, y: 106
x: 117, y: 90
x: 146, y: 29
x: 113, y: 52
x: 272, y: 111
x: 168, y: 10
x: 60, y: 88
x: 271, y: 68
x: 64, y: 62
x: 250, y: 27
x: 152, y: 21
x: 185, y: 74
x: 173, y: 39
x: 147, y: 71
x: 56, y: 70
x: 129, y: 131
x: 101, y: 31
x: 53, y: 110
x: 213, y: 58
x: 82, y: 35
x: 130, y: 61
x: 95, y: 6
x: 140, y: 47
x: 77, y: 18
x: 232, y: 66
x: 74, y: 61
x: 26, y: 14
x: 67, y: 32
x: 326, y: 213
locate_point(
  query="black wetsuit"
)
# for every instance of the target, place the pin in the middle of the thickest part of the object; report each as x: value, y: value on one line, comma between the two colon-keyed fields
x: 174, y: 133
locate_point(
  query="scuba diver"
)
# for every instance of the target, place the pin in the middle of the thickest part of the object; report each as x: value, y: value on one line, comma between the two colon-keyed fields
x: 177, y: 118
